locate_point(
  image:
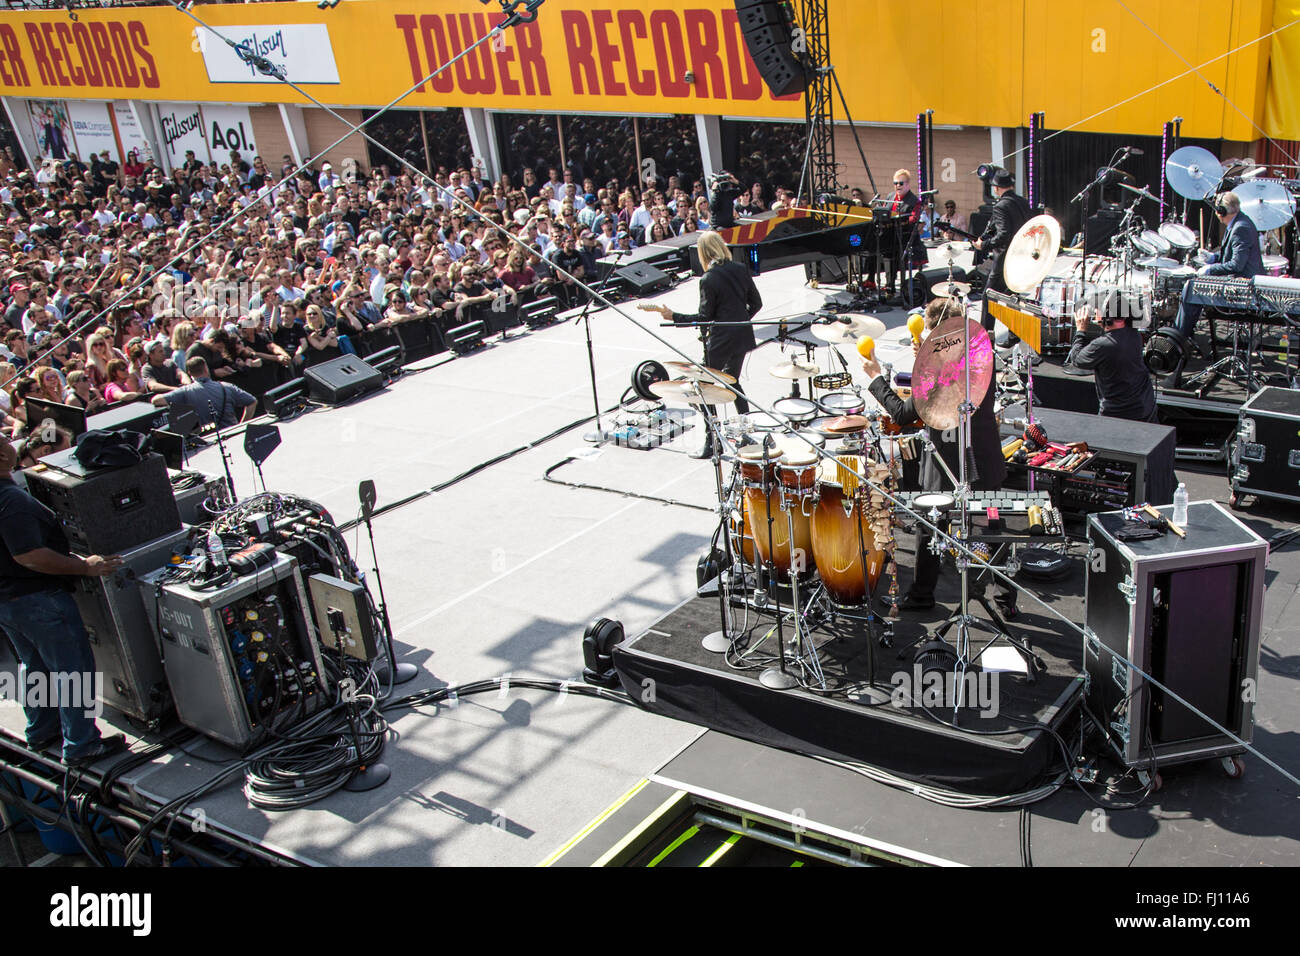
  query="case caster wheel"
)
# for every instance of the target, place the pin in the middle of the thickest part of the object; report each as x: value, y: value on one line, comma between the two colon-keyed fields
x: 1235, y: 502
x: 1154, y: 779
x: 1234, y: 766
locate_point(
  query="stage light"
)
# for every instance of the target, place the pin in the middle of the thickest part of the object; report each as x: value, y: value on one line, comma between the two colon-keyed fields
x: 987, y: 171
x: 598, y: 645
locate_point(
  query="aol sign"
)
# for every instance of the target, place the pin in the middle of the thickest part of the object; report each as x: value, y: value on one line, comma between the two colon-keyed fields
x: 229, y: 127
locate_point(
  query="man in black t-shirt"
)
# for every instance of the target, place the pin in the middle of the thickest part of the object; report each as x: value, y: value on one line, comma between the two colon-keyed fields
x: 159, y: 373
x: 41, y: 618
x: 569, y: 261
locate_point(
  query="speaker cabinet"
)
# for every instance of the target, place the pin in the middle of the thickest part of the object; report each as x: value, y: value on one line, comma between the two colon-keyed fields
x: 340, y: 379
x: 641, y: 278
x: 768, y: 28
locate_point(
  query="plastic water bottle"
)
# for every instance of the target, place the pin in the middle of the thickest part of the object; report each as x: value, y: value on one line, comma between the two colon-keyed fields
x: 1180, y: 506
x: 216, y: 551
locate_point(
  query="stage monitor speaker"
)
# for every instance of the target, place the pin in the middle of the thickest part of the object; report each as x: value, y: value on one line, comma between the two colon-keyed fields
x: 642, y: 278
x: 106, y: 510
x: 768, y: 28
x: 340, y: 379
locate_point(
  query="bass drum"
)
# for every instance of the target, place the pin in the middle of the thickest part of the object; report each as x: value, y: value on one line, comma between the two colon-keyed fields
x: 843, y: 546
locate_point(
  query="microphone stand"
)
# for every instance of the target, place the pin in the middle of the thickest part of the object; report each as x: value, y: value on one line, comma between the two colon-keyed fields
x: 598, y: 435
x: 225, y: 456
x: 391, y: 672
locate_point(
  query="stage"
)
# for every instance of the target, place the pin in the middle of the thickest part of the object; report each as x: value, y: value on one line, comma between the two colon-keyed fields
x: 501, y: 572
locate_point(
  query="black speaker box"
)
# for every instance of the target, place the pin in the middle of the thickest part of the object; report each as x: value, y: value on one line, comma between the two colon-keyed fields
x: 767, y: 26
x: 642, y: 278
x: 1102, y: 225
x: 108, y: 510
x: 342, y: 378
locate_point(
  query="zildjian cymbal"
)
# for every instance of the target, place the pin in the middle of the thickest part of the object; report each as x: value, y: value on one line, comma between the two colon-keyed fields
x: 939, y: 374
x: 692, y: 393
x: 794, y: 369
x: 699, y: 373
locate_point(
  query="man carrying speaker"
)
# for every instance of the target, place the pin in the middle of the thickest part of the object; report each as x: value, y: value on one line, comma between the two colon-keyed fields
x: 43, y: 623
x: 1010, y: 212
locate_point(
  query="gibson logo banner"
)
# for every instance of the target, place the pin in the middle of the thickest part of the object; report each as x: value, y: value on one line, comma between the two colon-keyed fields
x: 303, y: 50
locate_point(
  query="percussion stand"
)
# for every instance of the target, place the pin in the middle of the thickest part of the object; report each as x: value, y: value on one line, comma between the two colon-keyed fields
x: 719, y: 641
x: 778, y: 677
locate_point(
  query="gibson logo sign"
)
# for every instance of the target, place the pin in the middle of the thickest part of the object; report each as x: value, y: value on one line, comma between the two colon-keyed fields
x: 264, y: 46
x: 174, y: 128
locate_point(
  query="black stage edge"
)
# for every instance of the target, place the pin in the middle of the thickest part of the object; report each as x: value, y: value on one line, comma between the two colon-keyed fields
x: 999, y: 754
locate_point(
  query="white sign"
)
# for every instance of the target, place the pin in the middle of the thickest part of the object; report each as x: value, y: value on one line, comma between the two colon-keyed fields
x: 180, y: 127
x: 130, y: 134
x: 92, y: 128
x: 227, y: 128
x: 302, y: 50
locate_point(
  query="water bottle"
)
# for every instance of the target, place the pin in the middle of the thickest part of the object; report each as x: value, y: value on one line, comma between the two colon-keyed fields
x: 216, y: 551
x: 1180, y: 506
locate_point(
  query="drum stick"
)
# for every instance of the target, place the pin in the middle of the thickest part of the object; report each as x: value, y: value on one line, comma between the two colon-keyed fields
x: 1172, y: 527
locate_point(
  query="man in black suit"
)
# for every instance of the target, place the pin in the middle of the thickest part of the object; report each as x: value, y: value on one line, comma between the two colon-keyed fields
x: 729, y: 300
x: 990, y: 468
x: 905, y: 209
x: 1010, y: 212
x: 1238, y: 255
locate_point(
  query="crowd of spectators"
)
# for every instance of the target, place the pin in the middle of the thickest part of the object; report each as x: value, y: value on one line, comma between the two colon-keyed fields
x: 115, y: 277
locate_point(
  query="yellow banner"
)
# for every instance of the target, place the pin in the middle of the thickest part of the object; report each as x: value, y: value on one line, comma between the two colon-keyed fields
x: 974, y: 62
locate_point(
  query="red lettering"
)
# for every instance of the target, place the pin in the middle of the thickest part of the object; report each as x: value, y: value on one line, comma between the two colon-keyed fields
x: 122, y: 50
x: 9, y: 40
x: 609, y: 55
x: 56, y: 57
x: 104, y: 50
x: 641, y: 82
x: 706, y: 58
x: 505, y: 53
x: 406, y: 23
x: 670, y: 53
x: 140, y: 40
x: 436, y: 51
x: 578, y: 43
x: 64, y: 33
x: 528, y: 37
x: 473, y: 77
x: 746, y: 84
x: 86, y: 50
x: 43, y: 68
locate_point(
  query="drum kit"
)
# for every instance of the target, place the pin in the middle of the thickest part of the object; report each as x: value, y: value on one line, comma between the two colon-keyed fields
x: 809, y: 502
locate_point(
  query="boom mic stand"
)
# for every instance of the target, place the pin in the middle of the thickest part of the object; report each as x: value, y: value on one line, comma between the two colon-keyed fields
x: 392, y: 672
x: 225, y: 455
x: 598, y: 435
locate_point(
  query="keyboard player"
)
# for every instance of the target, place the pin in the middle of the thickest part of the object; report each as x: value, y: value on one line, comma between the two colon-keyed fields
x: 1238, y: 255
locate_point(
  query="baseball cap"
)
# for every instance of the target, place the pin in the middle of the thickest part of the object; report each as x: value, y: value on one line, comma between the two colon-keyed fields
x: 17, y: 287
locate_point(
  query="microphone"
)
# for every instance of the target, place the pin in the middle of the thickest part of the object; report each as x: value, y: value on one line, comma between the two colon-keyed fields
x: 1133, y: 150
x: 927, y: 192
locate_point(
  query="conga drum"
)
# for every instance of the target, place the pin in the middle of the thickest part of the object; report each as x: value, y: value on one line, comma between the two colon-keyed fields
x: 788, y: 501
x: 841, y: 535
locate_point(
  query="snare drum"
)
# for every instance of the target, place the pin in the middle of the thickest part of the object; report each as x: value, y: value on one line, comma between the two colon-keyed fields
x: 1276, y: 266
x: 836, y: 404
x: 843, y: 545
x: 763, y: 422
x: 798, y: 411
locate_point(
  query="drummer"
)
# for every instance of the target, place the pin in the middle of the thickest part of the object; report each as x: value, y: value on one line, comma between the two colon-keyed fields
x: 1238, y: 255
x: 986, y: 448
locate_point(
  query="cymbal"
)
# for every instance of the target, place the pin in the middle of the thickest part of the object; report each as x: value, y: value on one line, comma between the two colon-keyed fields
x: 699, y: 373
x: 952, y: 289
x: 845, y: 424
x: 692, y: 393
x: 847, y: 329
x: 939, y: 375
x: 1157, y: 262
x: 1267, y: 204
x: 1194, y: 173
x: 1028, y: 260
x: 794, y: 369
